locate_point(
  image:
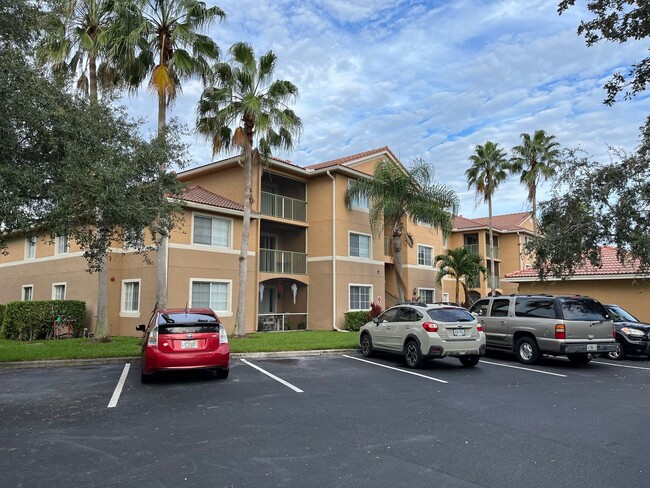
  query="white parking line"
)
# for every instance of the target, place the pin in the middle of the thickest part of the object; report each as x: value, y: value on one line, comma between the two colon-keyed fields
x: 621, y: 365
x: 120, y: 385
x: 285, y: 383
x: 396, y: 369
x: 525, y: 369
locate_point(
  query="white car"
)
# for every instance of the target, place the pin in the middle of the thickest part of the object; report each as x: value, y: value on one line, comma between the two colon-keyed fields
x: 422, y: 331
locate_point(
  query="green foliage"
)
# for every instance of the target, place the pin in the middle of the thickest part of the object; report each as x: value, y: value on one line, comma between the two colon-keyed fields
x: 29, y: 321
x: 459, y: 263
x: 617, y: 21
x: 2, y: 310
x: 354, y: 320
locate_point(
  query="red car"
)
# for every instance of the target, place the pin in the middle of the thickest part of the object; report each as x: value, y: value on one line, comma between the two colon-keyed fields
x: 190, y: 338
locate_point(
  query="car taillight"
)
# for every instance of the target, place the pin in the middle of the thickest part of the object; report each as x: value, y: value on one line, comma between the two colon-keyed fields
x: 479, y: 327
x: 153, y: 337
x: 223, y: 337
x: 560, y: 331
x: 430, y: 326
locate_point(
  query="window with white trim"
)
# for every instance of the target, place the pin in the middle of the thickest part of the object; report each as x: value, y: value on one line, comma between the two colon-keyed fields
x: 62, y: 245
x: 211, y: 231
x: 58, y: 291
x: 359, y: 245
x: 360, y: 297
x: 359, y: 202
x: 427, y: 295
x: 130, y: 296
x: 445, y: 297
x: 28, y: 293
x: 425, y: 255
x: 211, y: 294
x: 30, y: 248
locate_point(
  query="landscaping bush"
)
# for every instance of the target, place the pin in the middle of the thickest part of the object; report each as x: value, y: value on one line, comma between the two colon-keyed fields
x: 2, y: 309
x: 354, y: 320
x: 30, y: 321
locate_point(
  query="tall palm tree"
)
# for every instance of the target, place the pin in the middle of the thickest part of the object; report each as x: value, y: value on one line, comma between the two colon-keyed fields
x: 536, y: 159
x: 161, y: 41
x: 247, y: 108
x: 489, y: 169
x: 395, y: 194
x: 459, y: 263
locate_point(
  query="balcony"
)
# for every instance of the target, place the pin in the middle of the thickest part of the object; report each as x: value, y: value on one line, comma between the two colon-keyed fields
x: 472, y: 248
x: 497, y: 252
x: 283, y: 207
x: 269, y: 322
x: 283, y: 262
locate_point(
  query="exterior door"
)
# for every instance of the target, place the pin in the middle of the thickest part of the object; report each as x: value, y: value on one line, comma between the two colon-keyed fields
x: 496, y: 325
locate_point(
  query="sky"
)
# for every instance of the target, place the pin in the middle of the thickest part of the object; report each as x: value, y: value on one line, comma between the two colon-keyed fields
x: 430, y: 79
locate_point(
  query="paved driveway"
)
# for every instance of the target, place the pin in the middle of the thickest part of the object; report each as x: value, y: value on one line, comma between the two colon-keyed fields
x: 339, y: 421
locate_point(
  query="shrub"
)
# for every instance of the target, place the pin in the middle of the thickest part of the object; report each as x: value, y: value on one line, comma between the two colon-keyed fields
x: 375, y: 310
x: 30, y: 321
x: 354, y: 320
x: 2, y: 309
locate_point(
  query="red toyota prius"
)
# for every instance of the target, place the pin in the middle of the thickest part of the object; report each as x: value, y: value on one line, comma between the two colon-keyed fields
x: 189, y: 338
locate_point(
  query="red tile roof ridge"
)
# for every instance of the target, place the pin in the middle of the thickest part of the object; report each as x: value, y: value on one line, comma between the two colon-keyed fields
x: 347, y: 159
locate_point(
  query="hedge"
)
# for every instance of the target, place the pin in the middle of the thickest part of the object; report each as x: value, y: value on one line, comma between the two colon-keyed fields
x: 30, y: 321
x: 354, y: 320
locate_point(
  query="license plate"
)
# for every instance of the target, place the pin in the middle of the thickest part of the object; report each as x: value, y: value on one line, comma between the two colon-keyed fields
x: 459, y: 332
x: 592, y: 347
x: 189, y: 344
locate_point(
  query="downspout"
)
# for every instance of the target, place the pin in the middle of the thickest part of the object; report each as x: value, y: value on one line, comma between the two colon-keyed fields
x: 520, y: 247
x: 334, y: 252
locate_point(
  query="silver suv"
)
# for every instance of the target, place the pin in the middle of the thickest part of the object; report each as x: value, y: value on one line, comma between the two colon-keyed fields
x: 531, y: 325
x: 423, y: 331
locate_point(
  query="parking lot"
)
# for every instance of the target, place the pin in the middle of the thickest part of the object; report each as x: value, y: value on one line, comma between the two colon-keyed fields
x: 330, y: 421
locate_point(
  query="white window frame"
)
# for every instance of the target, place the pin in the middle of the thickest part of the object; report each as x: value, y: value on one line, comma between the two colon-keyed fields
x: 23, y: 298
x: 123, y: 311
x: 231, y: 227
x: 358, y: 202
x: 424, y: 246
x: 57, y: 243
x: 370, y: 295
x: 433, y: 290
x: 65, y: 290
x: 221, y: 313
x: 30, y: 244
x: 445, y: 297
x: 361, y: 234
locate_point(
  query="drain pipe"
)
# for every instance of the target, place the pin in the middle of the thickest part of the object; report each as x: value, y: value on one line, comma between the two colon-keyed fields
x: 334, y: 253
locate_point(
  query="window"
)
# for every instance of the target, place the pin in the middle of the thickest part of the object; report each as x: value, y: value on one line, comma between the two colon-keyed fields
x: 360, y: 201
x: 359, y: 245
x: 535, y: 307
x: 450, y: 315
x: 480, y: 308
x: 360, y: 297
x: 211, y: 231
x: 445, y: 297
x: 427, y: 295
x: 131, y: 296
x: 30, y: 248
x: 28, y: 293
x: 62, y: 245
x: 211, y: 294
x: 500, y: 308
x: 425, y: 255
x: 58, y: 291
x: 582, y: 308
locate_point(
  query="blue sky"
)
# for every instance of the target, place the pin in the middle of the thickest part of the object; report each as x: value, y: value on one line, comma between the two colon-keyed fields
x: 431, y: 79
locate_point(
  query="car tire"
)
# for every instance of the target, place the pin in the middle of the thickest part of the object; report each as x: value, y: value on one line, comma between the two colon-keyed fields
x: 579, y: 358
x: 146, y: 379
x: 469, y: 361
x: 221, y: 374
x: 527, y: 350
x: 617, y: 355
x: 412, y: 354
x: 366, y: 345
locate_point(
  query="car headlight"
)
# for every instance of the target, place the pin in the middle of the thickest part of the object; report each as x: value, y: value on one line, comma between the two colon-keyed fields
x: 634, y: 333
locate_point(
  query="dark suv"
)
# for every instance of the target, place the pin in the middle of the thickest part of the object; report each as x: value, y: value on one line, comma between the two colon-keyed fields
x: 633, y: 337
x: 531, y: 325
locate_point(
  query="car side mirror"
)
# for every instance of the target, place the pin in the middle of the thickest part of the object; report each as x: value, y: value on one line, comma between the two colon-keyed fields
x: 141, y: 327
x: 376, y: 320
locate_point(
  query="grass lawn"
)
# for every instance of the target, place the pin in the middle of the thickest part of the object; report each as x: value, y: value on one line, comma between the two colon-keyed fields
x: 130, y: 346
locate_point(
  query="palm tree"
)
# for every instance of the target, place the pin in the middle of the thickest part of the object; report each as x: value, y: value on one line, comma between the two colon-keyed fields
x: 459, y: 263
x: 396, y: 193
x: 160, y: 40
x: 247, y: 109
x: 489, y: 169
x: 536, y: 159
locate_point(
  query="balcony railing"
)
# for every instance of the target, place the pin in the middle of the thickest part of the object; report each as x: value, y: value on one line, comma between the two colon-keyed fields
x: 388, y: 244
x: 283, y: 262
x: 284, y: 207
x: 473, y: 248
x: 267, y: 322
x: 494, y: 279
x: 497, y: 252
x: 474, y: 283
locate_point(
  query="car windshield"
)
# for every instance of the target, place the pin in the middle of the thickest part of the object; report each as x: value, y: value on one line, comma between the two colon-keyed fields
x: 450, y: 315
x: 621, y: 315
x: 187, y: 323
x: 581, y: 308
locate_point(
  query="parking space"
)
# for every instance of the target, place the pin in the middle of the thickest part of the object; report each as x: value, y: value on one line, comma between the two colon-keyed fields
x: 329, y: 421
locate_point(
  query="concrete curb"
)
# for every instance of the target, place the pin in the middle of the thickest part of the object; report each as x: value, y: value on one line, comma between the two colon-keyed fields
x: 59, y: 363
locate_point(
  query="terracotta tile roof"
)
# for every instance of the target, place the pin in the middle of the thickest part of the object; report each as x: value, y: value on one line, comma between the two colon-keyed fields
x: 198, y: 194
x: 610, y: 266
x: 507, y: 222
x: 348, y: 159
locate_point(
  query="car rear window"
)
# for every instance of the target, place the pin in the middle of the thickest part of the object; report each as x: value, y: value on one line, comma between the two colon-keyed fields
x: 186, y: 323
x: 581, y: 308
x: 450, y: 315
x: 535, y: 307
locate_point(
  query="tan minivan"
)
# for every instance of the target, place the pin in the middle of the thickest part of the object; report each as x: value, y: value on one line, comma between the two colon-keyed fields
x: 531, y: 325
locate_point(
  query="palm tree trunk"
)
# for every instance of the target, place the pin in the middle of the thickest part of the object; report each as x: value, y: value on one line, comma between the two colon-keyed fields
x: 533, y: 193
x: 457, y: 289
x: 240, y: 319
x: 93, y: 79
x: 492, y: 289
x: 397, y: 261
x: 101, y: 326
x: 161, y: 241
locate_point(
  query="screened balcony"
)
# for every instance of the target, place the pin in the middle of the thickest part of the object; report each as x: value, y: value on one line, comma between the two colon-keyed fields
x: 283, y: 262
x: 283, y: 207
